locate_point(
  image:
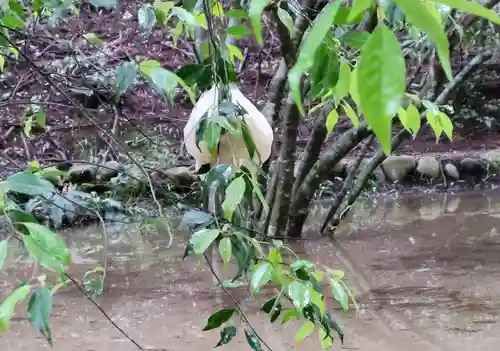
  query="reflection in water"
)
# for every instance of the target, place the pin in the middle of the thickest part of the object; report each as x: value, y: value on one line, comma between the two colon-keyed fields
x: 426, y: 272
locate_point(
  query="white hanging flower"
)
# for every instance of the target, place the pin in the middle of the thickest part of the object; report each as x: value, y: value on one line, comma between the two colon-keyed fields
x: 232, y: 149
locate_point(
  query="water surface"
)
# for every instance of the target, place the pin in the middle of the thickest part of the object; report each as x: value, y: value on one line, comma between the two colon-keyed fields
x: 426, y: 272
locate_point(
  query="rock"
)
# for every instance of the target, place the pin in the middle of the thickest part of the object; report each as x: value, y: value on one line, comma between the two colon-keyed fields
x: 81, y: 173
x: 472, y: 166
x: 451, y: 205
x: 110, y: 170
x: 493, y: 158
x: 181, y: 176
x: 397, y: 167
x: 451, y: 171
x: 429, y: 166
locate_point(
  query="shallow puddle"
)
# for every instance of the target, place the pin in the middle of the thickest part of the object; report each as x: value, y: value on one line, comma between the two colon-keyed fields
x: 426, y: 272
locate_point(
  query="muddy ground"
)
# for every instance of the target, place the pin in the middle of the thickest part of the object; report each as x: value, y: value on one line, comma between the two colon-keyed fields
x: 69, y: 134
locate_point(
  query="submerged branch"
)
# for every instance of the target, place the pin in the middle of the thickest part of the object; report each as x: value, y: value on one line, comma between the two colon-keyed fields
x: 348, y: 183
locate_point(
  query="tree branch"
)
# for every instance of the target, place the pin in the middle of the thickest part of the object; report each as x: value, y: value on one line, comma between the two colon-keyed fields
x: 348, y: 183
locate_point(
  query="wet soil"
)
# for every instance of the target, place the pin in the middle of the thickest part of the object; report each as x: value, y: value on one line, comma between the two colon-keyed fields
x: 425, y: 271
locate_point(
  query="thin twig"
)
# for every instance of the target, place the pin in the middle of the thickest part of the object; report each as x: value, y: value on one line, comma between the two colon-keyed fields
x: 242, y: 314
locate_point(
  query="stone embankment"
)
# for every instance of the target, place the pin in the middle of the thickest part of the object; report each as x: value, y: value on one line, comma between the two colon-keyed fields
x: 432, y: 169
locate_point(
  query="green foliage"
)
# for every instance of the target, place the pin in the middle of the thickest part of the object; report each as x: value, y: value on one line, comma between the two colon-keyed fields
x: 39, y: 308
x: 361, y: 74
x: 226, y: 335
x: 380, y: 96
x: 126, y: 74
x: 19, y: 294
x: 253, y: 340
x: 46, y: 247
x: 255, y: 10
x: 218, y: 318
x: 308, y: 48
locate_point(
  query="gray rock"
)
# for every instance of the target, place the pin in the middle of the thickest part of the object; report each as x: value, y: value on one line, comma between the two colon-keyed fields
x: 397, y: 167
x: 81, y: 173
x: 493, y: 158
x: 472, y: 166
x: 110, y: 170
x: 451, y: 171
x: 181, y: 176
x: 429, y: 166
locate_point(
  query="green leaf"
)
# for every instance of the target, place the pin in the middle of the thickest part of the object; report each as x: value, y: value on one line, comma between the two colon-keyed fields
x: 350, y: 113
x: 317, y: 299
x: 28, y: 184
x: 247, y: 137
x: 202, y: 239
x: 262, y: 275
x: 19, y: 294
x: 234, y: 195
x: 355, y: 40
x: 285, y: 18
x: 226, y: 335
x: 218, y: 318
x: 273, y: 308
x: 331, y: 120
x: 300, y: 294
x: 308, y: 49
x: 211, y: 136
x: 234, y: 51
x: 237, y: 14
x: 447, y: 125
x: 2, y: 63
x: 39, y: 308
x: 147, y: 65
x: 434, y: 123
x: 46, y: 247
x: 125, y: 77
x: 471, y: 7
x: 238, y: 31
x: 381, y: 82
x: 163, y: 6
x: 419, y: 15
x: 41, y: 118
x: 304, y: 331
x: 359, y: 7
x: 164, y: 80
x: 340, y: 294
x: 184, y: 15
x: 325, y: 340
x: 289, y: 314
x: 342, y: 15
x: 333, y: 324
x: 411, y: 120
x: 344, y: 82
x: 252, y: 340
x: 146, y: 18
x: 225, y: 249
x: 255, y: 9
x: 3, y: 252
x: 353, y: 89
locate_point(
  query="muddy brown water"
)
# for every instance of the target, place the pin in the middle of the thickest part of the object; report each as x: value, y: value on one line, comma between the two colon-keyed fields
x: 426, y: 272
